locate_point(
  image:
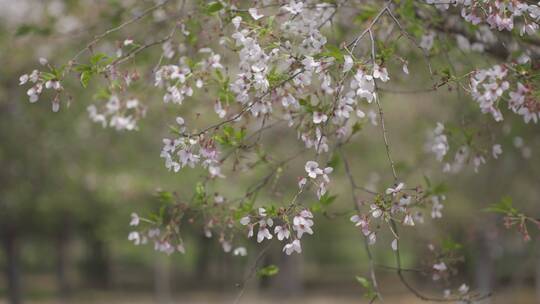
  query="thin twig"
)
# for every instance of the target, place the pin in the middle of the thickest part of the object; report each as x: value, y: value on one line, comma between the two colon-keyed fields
x: 121, y: 26
x: 381, y: 114
x: 352, y: 182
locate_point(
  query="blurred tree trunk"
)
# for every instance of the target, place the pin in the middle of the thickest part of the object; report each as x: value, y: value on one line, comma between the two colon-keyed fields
x: 12, y: 266
x: 203, y: 258
x: 97, y: 264
x: 62, y: 262
x: 484, y: 262
x: 538, y: 277
x: 162, y: 279
x: 288, y: 282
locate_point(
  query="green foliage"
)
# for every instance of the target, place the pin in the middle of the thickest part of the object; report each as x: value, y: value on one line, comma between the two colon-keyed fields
x: 504, y: 206
x: 275, y: 78
x: 407, y: 11
x: 244, y: 209
x: 357, y: 127
x: 224, y: 93
x: 97, y: 64
x: 268, y: 271
x: 271, y: 210
x: 193, y: 26
x: 306, y: 104
x: 449, y: 245
x: 230, y: 136
x: 333, y: 51
x: 366, y: 284
x: 200, y: 193
x: 165, y: 197
x: 385, y: 51
x: 368, y: 12
x: 28, y: 29
x: 324, y: 202
x: 213, y: 7
x: 334, y: 161
x: 434, y: 189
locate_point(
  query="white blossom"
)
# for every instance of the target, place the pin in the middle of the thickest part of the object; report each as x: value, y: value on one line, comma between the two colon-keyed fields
x: 348, y: 63
x: 440, y: 267
x: 255, y: 13
x: 294, y: 246
x: 240, y: 251
x: 496, y: 150
x: 134, y: 219
x: 282, y: 232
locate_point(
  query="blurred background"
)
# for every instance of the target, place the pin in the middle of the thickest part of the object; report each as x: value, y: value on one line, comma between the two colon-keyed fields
x: 68, y: 187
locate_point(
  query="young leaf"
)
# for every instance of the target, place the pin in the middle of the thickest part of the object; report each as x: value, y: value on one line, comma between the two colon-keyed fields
x: 213, y: 7
x: 268, y: 271
x: 85, y: 78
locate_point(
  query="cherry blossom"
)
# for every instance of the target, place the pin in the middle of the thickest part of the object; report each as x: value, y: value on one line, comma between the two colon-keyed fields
x: 240, y: 251
x: 135, y: 220
x: 312, y: 169
x: 302, y: 225
x: 255, y: 13
x: 278, y: 61
x: 282, y: 232
x: 397, y: 188
x: 294, y: 246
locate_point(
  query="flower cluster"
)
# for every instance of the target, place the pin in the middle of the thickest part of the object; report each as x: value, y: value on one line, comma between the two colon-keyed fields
x: 118, y: 114
x: 437, y: 142
x: 500, y: 15
x: 489, y: 86
x: 317, y: 176
x: 174, y: 77
x: 524, y: 103
x: 305, y: 25
x: 253, y: 71
x: 398, y: 204
x: 301, y: 224
x: 180, y: 79
x: 163, y: 242
x: 42, y: 81
x: 190, y: 151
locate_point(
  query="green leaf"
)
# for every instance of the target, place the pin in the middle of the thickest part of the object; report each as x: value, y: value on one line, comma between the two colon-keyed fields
x: 271, y: 210
x: 357, y: 127
x: 27, y: 29
x: 48, y: 76
x: 200, y: 191
x: 327, y: 199
x: 385, y: 51
x: 370, y: 292
x: 428, y: 181
x: 449, y: 245
x: 97, y: 58
x: 82, y: 68
x: 102, y: 94
x: 213, y: 7
x: 240, y: 135
x: 244, y: 209
x: 268, y: 271
x: 165, y: 197
x: 306, y: 104
x: 368, y: 12
x: 334, y: 161
x: 85, y: 78
x: 275, y: 78
x: 504, y: 206
x: 439, y: 189
x: 363, y: 281
x: 333, y: 51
